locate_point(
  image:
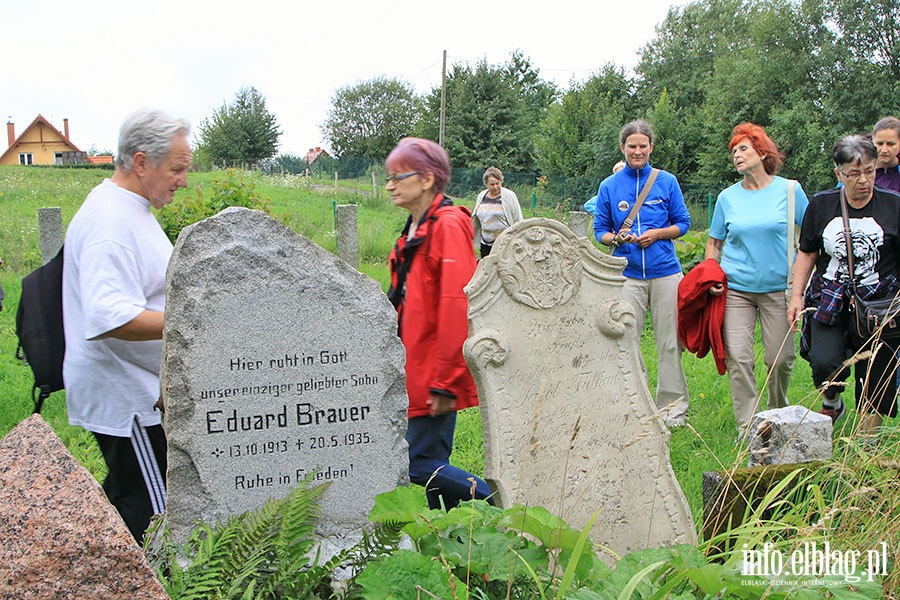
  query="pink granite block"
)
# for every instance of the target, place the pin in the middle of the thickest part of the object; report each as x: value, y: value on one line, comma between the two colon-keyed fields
x: 60, y: 537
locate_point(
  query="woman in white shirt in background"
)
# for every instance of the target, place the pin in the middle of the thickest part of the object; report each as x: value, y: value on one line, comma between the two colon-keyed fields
x: 496, y: 209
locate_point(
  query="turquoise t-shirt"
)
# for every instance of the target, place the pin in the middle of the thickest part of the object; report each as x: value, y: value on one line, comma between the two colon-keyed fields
x: 753, y: 224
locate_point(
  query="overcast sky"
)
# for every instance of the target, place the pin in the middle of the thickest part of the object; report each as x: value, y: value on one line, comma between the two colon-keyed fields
x: 95, y: 63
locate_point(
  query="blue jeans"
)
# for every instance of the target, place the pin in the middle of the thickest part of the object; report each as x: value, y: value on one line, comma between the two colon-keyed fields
x: 430, y: 444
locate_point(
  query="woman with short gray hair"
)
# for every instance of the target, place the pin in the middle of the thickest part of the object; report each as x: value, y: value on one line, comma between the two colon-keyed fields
x: 496, y: 209
x: 827, y: 338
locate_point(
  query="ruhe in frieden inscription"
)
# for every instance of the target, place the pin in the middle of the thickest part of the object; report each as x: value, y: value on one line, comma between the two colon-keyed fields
x: 265, y: 480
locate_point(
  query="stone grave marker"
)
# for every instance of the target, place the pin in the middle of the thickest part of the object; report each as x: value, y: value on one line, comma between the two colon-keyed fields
x: 279, y: 361
x: 60, y: 537
x: 50, y: 228
x: 581, y: 223
x: 569, y: 423
x: 347, y: 232
x: 788, y: 435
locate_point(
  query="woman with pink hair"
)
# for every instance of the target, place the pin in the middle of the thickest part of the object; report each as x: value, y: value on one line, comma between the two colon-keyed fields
x: 431, y: 263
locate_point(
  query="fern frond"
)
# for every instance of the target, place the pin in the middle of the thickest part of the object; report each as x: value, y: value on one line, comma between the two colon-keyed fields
x: 210, y: 572
x: 264, y: 553
x: 300, y: 514
x: 296, y: 540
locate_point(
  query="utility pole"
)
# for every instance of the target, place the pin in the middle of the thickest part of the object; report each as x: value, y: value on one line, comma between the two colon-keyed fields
x: 443, y: 99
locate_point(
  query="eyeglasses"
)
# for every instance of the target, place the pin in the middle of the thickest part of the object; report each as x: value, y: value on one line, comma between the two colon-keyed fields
x: 395, y: 177
x: 869, y: 174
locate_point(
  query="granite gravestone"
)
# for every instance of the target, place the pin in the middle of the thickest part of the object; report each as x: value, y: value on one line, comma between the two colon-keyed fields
x: 60, y: 537
x: 279, y: 361
x: 568, y: 420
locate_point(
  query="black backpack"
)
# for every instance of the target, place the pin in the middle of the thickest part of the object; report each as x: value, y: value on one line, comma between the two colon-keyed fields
x: 39, y: 325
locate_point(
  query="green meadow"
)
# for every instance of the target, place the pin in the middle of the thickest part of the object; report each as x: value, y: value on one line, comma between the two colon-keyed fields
x: 706, y: 443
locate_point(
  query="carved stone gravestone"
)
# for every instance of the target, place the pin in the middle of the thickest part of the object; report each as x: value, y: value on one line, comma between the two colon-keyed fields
x: 279, y: 361
x: 581, y: 223
x: 568, y: 420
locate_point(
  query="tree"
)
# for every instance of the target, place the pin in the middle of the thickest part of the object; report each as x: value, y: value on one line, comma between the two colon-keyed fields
x: 679, y: 58
x: 493, y: 114
x: 243, y: 131
x: 772, y: 74
x: 94, y: 151
x: 366, y: 120
x: 579, y: 135
x: 674, y: 74
x: 869, y: 31
x: 862, y: 63
x: 809, y: 71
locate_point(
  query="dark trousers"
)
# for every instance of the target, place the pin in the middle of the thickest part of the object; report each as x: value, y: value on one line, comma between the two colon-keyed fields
x: 485, y: 249
x: 430, y: 444
x: 876, y: 383
x: 135, y: 484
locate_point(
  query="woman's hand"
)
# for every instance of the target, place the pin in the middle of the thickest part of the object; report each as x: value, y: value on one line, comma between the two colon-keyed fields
x: 717, y: 289
x: 649, y: 236
x: 624, y: 237
x: 653, y: 235
x: 440, y: 404
x: 794, y: 311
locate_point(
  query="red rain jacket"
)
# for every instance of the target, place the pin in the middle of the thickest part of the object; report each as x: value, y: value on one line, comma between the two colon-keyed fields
x: 700, y: 314
x: 432, y: 311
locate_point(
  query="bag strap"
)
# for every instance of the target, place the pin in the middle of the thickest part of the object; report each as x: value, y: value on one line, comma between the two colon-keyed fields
x: 395, y: 293
x: 791, y: 217
x: 629, y: 220
x: 848, y: 240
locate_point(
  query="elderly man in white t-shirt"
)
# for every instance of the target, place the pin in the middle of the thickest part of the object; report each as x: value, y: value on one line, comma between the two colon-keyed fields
x: 114, y: 295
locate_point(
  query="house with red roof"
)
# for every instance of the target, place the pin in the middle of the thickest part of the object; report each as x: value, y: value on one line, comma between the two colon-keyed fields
x: 41, y: 144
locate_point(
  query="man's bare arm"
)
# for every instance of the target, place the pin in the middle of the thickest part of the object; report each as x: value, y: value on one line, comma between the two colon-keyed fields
x: 146, y: 326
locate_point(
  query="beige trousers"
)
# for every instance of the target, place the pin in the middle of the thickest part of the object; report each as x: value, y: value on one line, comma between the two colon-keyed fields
x: 660, y: 297
x: 741, y: 312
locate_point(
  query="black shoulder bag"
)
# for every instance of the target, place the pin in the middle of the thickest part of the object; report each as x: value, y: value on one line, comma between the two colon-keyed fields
x: 868, y: 318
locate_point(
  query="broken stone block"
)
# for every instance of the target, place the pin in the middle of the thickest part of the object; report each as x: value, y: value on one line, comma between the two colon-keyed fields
x: 793, y: 434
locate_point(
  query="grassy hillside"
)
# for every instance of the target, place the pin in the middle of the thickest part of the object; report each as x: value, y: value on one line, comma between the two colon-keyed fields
x: 706, y: 444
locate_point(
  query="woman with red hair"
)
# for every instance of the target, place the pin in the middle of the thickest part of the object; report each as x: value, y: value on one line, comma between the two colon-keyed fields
x: 749, y: 236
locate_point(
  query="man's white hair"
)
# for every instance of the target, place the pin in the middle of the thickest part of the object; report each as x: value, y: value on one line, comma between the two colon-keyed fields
x: 149, y: 131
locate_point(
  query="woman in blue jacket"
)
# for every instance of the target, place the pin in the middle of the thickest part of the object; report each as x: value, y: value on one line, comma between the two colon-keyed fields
x: 653, y: 271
